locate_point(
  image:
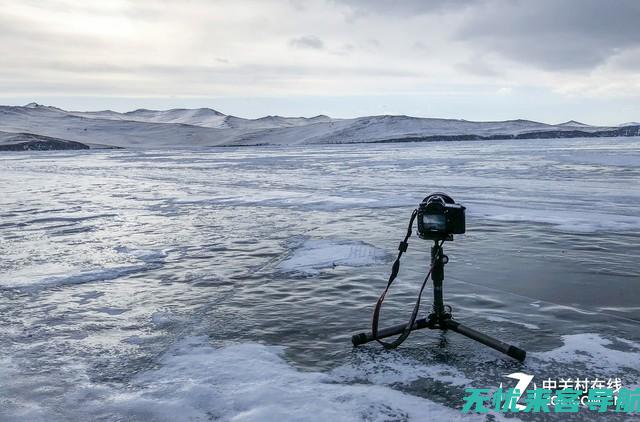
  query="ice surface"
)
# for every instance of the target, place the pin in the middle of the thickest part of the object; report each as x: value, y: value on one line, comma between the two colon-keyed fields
x: 314, y: 255
x: 512, y: 321
x: 55, y: 274
x: 161, y: 319
x: 17, y: 280
x: 568, y: 220
x: 193, y: 237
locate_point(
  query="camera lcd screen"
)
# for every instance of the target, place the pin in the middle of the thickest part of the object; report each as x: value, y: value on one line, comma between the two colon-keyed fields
x: 435, y: 222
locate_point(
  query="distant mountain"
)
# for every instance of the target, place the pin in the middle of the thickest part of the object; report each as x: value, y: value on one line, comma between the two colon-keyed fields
x: 197, y: 117
x: 205, y: 117
x: 200, y: 127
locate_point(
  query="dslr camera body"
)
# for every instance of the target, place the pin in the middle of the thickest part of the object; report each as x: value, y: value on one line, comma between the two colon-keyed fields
x: 439, y: 217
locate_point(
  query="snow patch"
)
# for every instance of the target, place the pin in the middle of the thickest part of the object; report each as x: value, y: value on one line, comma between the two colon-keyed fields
x: 591, y: 349
x: 315, y: 255
x: 252, y: 382
x: 393, y: 368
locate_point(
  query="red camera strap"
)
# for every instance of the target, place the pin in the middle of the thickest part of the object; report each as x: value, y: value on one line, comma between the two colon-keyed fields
x: 394, y: 273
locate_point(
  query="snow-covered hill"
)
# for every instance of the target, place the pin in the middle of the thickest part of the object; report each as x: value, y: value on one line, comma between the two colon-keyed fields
x: 196, y: 117
x: 31, y: 142
x: 205, y: 117
x: 207, y: 127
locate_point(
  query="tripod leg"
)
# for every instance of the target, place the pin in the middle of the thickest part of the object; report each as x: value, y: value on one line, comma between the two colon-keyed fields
x: 363, y: 338
x: 498, y: 345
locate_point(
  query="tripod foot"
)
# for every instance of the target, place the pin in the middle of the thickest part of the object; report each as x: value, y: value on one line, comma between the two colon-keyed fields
x: 362, y: 338
x: 498, y: 345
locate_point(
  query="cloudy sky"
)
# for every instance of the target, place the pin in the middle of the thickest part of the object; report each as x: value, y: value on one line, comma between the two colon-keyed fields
x: 548, y: 60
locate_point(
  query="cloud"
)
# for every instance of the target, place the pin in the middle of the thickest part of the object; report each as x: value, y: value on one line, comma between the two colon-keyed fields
x: 262, y: 48
x: 404, y: 8
x: 309, y: 42
x: 479, y: 65
x: 627, y: 60
x: 554, y: 35
x: 549, y: 34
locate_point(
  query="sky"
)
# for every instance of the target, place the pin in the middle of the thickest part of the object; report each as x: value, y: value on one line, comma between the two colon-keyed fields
x: 545, y: 60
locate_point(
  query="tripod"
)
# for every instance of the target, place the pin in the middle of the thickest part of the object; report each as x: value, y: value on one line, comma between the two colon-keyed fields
x: 439, y: 318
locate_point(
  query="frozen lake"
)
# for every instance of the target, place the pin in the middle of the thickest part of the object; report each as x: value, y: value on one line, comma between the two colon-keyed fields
x: 226, y: 283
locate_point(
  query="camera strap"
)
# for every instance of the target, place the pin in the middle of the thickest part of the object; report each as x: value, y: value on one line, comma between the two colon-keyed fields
x: 402, y: 248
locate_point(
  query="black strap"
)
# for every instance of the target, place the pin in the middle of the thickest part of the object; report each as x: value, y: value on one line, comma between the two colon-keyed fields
x: 394, y: 273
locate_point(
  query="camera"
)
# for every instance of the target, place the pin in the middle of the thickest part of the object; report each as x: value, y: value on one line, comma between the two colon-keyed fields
x: 439, y: 217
